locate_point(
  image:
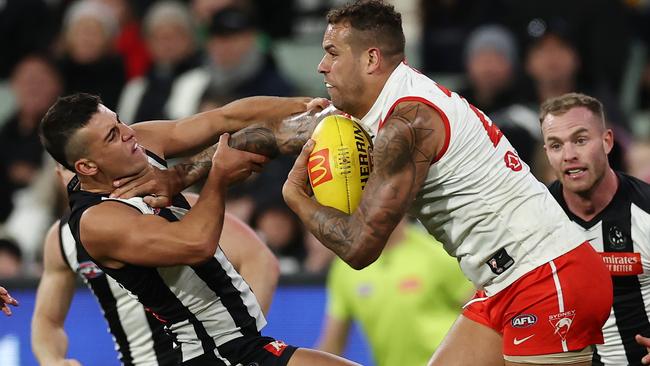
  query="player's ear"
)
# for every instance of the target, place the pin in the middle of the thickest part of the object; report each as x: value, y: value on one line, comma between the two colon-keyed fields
x: 373, y: 59
x: 608, y: 140
x: 84, y: 166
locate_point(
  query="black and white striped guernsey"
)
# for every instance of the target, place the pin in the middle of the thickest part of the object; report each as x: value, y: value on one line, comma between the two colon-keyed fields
x: 140, y: 339
x: 202, y: 306
x: 621, y: 234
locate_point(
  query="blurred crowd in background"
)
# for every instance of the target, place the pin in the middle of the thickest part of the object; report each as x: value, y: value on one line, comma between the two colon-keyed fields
x: 165, y: 59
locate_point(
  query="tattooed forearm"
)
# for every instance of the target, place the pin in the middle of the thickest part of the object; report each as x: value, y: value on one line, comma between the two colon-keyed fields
x: 273, y: 138
x: 359, y: 238
x: 403, y: 152
x: 292, y: 133
x: 270, y: 139
x: 332, y: 228
x: 255, y: 139
x: 356, y: 239
x: 196, y: 167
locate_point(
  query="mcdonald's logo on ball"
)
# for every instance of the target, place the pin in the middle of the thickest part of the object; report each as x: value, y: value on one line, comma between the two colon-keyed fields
x: 340, y: 163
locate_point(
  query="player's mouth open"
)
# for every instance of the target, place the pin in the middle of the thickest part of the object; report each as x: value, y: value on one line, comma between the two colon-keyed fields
x: 328, y: 85
x: 575, y: 172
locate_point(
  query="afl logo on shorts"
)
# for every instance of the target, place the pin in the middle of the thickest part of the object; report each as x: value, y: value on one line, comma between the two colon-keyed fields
x: 89, y: 270
x: 523, y: 321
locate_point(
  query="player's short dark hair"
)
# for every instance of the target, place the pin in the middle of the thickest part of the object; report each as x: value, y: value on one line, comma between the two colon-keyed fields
x: 62, y: 120
x: 560, y: 105
x: 379, y: 24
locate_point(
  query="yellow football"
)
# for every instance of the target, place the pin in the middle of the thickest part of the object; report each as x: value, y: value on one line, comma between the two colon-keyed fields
x: 340, y: 163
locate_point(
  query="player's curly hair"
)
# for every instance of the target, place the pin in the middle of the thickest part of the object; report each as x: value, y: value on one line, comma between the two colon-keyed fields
x: 379, y: 24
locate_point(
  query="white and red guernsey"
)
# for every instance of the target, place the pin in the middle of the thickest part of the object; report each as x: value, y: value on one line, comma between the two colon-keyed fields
x: 479, y: 199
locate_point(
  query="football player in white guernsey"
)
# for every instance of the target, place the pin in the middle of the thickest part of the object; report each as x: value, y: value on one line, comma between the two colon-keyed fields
x: 170, y: 257
x: 612, y: 208
x: 544, y: 293
x: 248, y: 254
x: 441, y: 159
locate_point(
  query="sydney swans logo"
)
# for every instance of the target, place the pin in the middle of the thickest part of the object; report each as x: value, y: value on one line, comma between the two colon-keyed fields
x: 319, y: 167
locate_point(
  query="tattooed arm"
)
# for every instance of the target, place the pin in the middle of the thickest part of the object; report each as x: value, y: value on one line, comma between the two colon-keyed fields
x: 284, y: 137
x: 403, y: 152
x: 191, y: 134
x: 270, y: 138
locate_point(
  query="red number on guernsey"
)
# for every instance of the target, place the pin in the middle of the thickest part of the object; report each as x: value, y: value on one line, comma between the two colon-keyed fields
x: 494, y: 133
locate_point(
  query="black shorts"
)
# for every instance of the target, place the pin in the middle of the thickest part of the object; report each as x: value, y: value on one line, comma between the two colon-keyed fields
x: 247, y: 351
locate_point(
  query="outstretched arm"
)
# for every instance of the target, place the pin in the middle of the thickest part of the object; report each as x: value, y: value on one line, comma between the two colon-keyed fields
x: 403, y: 152
x: 55, y: 291
x: 270, y: 139
x: 285, y: 136
x: 191, y: 134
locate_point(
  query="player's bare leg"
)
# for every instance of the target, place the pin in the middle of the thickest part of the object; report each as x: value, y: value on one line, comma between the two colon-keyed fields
x: 469, y: 343
x: 310, y: 357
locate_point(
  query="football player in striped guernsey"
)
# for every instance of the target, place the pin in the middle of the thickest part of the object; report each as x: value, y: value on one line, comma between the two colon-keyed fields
x: 139, y: 338
x: 170, y: 258
x: 611, y: 208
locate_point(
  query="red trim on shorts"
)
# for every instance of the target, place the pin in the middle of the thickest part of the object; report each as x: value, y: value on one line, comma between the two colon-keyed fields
x: 557, y: 307
x: 442, y: 114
